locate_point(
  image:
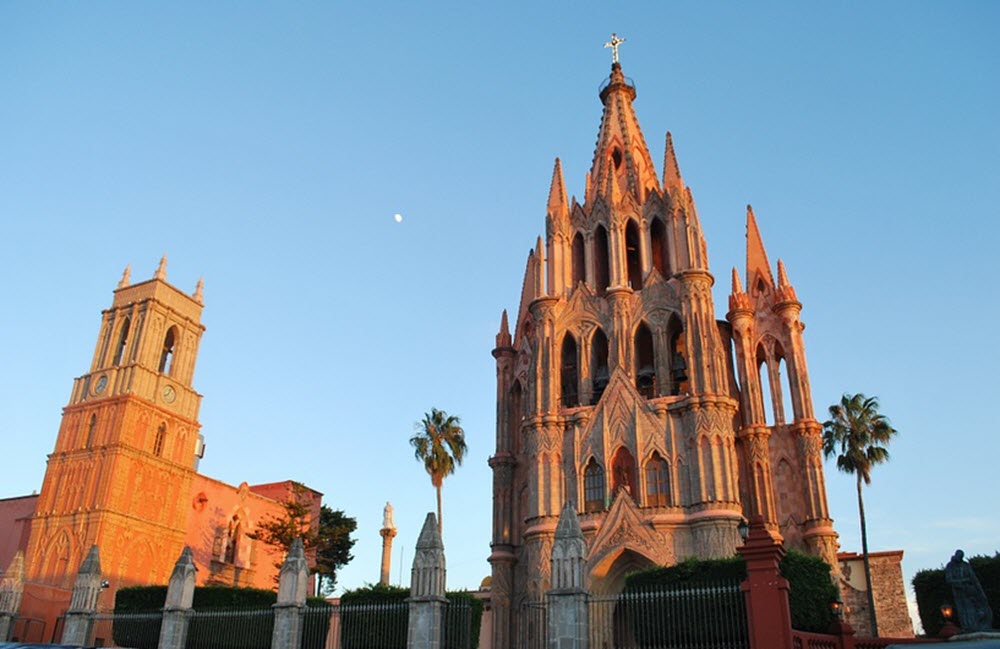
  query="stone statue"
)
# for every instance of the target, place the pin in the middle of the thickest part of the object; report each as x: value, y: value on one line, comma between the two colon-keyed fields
x: 973, y: 609
x: 387, y: 517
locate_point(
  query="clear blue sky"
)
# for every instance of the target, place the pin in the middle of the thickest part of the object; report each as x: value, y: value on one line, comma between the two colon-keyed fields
x: 267, y: 147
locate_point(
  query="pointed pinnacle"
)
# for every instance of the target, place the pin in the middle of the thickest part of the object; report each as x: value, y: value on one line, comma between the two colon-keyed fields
x: 569, y: 525
x: 671, y: 170
x: 429, y: 537
x: 611, y: 193
x: 558, y: 206
x: 199, y: 291
x: 504, y: 327
x: 737, y: 285
x: 161, y: 270
x: 757, y: 264
x: 92, y: 563
x: 126, y: 277
x: 782, y: 275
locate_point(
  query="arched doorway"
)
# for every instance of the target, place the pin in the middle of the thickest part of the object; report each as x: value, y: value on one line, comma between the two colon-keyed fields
x: 610, y: 625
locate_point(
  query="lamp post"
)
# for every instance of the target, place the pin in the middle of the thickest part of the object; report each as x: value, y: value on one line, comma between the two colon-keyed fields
x: 949, y: 628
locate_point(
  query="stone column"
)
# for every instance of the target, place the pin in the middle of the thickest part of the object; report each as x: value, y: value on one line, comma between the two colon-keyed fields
x: 83, y: 602
x: 427, y: 600
x: 177, y: 610
x: 388, y: 532
x: 11, y: 591
x: 291, y: 604
x: 569, y: 622
x: 769, y: 619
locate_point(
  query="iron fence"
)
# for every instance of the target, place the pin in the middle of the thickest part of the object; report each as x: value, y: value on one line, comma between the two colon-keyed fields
x: 237, y: 629
x: 131, y: 630
x: 531, y: 626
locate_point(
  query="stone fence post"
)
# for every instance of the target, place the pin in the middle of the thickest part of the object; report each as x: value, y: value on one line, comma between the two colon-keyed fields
x: 291, y: 604
x: 177, y: 609
x: 768, y: 616
x: 11, y: 591
x: 83, y: 602
x: 426, y: 601
x: 569, y: 620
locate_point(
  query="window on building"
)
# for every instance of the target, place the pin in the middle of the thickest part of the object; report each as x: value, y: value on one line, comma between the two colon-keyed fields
x: 579, y: 259
x: 158, y: 442
x: 569, y: 376
x: 633, y: 256
x: 658, y: 247
x: 122, y: 342
x: 167, y: 353
x: 623, y: 473
x: 599, y: 365
x: 602, y: 275
x: 91, y: 430
x: 678, y: 358
x: 645, y: 364
x: 657, y: 482
x: 233, y: 534
x: 593, y: 487
x: 516, y: 414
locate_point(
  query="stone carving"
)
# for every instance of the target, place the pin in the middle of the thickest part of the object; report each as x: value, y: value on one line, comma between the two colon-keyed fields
x: 973, y: 609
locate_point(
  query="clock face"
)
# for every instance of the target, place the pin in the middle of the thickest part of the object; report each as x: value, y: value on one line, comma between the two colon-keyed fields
x: 169, y: 394
x: 102, y: 383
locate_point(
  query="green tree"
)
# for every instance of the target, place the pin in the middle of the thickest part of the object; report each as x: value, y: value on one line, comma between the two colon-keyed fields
x: 327, y: 541
x: 440, y: 444
x: 333, y: 547
x: 857, y: 435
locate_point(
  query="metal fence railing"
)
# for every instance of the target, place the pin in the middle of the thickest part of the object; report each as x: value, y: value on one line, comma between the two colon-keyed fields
x: 709, y: 616
x: 131, y: 630
x: 531, y: 626
x: 238, y: 629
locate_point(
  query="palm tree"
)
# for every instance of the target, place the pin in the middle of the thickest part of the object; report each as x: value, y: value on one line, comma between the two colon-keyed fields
x: 857, y: 435
x: 440, y: 444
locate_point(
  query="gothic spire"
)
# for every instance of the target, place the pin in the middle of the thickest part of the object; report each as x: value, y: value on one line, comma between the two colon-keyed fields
x: 161, y: 270
x: 672, y: 181
x: 126, y: 277
x: 503, y: 336
x: 737, y: 286
x: 621, y: 154
x: 758, y: 268
x: 782, y: 275
x: 558, y: 206
x: 786, y: 291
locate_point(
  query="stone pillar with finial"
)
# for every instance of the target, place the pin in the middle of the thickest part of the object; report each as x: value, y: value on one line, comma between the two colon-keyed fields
x: 11, y: 591
x: 291, y: 604
x: 426, y: 601
x: 569, y: 622
x: 769, y: 619
x: 83, y: 601
x: 180, y: 596
x: 388, y: 532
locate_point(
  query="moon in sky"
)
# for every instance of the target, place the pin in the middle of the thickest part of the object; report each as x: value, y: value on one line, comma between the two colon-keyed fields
x: 399, y: 218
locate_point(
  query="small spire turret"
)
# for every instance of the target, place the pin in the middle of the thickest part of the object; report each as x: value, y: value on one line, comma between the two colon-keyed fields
x: 503, y: 336
x: 672, y: 181
x: 126, y: 277
x: 558, y: 206
x: 161, y: 270
x: 758, y: 268
x: 199, y: 291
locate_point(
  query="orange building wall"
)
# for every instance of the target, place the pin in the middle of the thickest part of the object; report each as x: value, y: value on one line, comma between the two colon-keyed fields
x: 15, y: 526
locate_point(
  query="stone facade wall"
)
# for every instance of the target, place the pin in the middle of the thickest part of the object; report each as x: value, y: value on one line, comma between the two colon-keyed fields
x: 15, y: 526
x: 891, y: 610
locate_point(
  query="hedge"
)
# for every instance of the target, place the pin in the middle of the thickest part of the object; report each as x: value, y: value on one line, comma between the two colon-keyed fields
x: 932, y: 591
x: 357, y: 607
x: 235, y: 632
x: 810, y: 594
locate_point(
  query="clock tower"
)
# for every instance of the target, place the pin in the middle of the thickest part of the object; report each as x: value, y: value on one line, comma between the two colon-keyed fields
x: 128, y: 445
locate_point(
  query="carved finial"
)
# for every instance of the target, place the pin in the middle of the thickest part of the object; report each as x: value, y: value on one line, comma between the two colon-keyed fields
x: 737, y: 285
x: 558, y: 205
x: 199, y: 291
x: 503, y: 336
x: 613, y: 44
x: 126, y: 277
x: 671, y: 170
x: 782, y: 275
x: 161, y: 270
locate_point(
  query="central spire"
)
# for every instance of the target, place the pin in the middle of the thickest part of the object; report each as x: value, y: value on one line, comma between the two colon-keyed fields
x: 621, y: 158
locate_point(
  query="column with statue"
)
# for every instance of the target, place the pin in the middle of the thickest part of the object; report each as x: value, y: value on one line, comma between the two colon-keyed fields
x: 388, y: 532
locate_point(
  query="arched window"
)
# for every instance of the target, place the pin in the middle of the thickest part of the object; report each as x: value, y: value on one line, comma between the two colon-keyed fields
x: 599, y: 365
x: 161, y: 438
x: 593, y: 487
x: 658, y: 247
x: 633, y: 257
x: 579, y: 270
x: 122, y: 342
x: 91, y: 429
x: 167, y: 354
x: 678, y: 358
x: 645, y: 366
x: 623, y: 473
x: 657, y: 482
x: 569, y: 375
x: 764, y: 378
x: 602, y: 275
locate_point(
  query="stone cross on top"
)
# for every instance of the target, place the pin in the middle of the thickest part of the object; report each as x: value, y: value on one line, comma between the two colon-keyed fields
x: 613, y: 44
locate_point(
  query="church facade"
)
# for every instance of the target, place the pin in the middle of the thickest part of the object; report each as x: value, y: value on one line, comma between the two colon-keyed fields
x: 123, y: 472
x: 620, y: 390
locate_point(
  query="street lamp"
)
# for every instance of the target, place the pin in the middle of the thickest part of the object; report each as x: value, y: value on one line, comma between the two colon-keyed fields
x: 744, y: 529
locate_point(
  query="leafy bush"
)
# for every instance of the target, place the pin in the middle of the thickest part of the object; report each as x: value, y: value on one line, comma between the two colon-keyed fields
x: 810, y: 588
x: 932, y: 591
